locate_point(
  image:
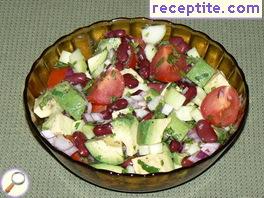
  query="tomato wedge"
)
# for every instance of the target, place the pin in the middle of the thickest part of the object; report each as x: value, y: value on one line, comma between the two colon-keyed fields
x: 56, y: 76
x: 132, y: 60
x: 221, y: 106
x: 110, y: 85
x: 98, y: 108
x: 161, y: 69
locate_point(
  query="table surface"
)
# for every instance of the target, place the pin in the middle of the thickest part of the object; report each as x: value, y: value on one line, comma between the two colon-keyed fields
x: 28, y: 27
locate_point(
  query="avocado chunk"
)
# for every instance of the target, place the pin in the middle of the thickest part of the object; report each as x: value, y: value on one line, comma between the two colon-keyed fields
x: 109, y: 167
x: 151, y: 131
x: 217, y: 80
x: 200, y: 73
x: 106, y: 150
x: 59, y: 124
x: 177, y: 159
x: 96, y: 63
x: 45, y: 105
x: 153, y: 163
x: 177, y: 128
x: 87, y: 130
x: 125, y: 130
x: 151, y: 94
x: 69, y: 99
x: 174, y: 98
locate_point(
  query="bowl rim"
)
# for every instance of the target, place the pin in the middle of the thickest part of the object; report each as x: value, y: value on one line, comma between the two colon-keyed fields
x: 220, y: 151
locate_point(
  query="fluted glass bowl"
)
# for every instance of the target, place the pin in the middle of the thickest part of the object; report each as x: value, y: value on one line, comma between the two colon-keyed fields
x: 86, y: 38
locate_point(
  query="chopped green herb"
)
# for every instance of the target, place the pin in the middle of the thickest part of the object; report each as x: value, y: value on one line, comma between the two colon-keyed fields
x: 113, y: 99
x: 98, y: 157
x: 57, y: 93
x: 124, y: 171
x: 222, y: 135
x: 192, y: 60
x: 148, y: 168
x: 191, y: 123
x: 61, y: 64
x: 113, y: 74
x: 148, y: 99
x: 159, y: 63
x: 161, y: 162
x: 88, y: 85
x: 188, y: 140
x: 134, y: 44
x: 171, y: 59
x: 164, y: 43
x: 45, y: 99
x: 157, y: 113
x: 199, y: 78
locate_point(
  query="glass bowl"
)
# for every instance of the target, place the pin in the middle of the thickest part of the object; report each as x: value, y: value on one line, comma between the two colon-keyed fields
x: 86, y: 39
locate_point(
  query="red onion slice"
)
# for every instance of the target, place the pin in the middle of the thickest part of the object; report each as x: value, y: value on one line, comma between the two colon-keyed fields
x: 193, y: 134
x: 209, y: 148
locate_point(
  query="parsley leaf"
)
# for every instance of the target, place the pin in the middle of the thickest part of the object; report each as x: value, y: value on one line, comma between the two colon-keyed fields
x: 159, y: 63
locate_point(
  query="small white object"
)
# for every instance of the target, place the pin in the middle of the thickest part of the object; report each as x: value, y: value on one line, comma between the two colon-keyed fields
x: 152, y: 105
x: 76, y: 56
x: 143, y: 149
x: 137, y: 98
x: 62, y: 143
x: 166, y: 110
x: 150, y: 51
x: 196, y: 114
x: 191, y: 148
x: 199, y: 97
x: 153, y: 34
x: 141, y: 113
x: 193, y: 53
x: 88, y: 75
x: 130, y: 169
x: 65, y: 57
x: 107, y: 62
x: 184, y: 113
x: 155, y: 148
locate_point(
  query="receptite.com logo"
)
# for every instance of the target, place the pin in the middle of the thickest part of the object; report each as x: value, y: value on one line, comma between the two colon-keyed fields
x: 14, y: 182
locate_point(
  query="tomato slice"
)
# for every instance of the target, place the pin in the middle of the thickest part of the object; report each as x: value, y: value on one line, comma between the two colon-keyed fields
x: 56, y: 76
x: 132, y: 61
x: 110, y: 85
x: 98, y: 108
x: 221, y: 106
x: 161, y: 69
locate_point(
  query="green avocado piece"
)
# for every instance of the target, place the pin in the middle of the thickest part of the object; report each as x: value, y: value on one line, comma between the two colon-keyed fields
x: 151, y: 93
x: 151, y: 131
x: 87, y: 130
x: 125, y: 130
x: 154, y: 163
x: 109, y: 167
x: 200, y: 73
x: 106, y: 150
x: 177, y: 128
x: 69, y: 99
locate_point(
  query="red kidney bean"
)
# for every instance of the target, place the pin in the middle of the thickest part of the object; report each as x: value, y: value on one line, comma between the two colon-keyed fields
x: 148, y: 116
x: 141, y: 54
x: 130, y: 81
x: 107, y: 114
x: 118, y: 104
x: 190, y: 94
x: 121, y: 54
x: 69, y: 72
x: 103, y: 129
x: 77, y: 78
x: 175, y: 146
x: 205, y: 131
x: 120, y: 66
x: 79, y: 139
x: 180, y: 45
x: 136, y: 92
x: 186, y: 162
x: 157, y: 86
x: 127, y: 163
x: 144, y: 72
x: 115, y: 33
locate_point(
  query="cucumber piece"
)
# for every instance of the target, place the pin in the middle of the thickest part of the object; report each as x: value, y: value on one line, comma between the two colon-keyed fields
x: 80, y: 66
x: 153, y: 34
x: 65, y: 57
x: 200, y: 96
x: 174, y: 98
x: 217, y: 80
x: 76, y: 56
x: 111, y: 43
x: 184, y: 113
x: 96, y: 63
x: 87, y: 130
x: 112, y: 168
x: 150, y: 51
x: 200, y: 73
x: 196, y: 114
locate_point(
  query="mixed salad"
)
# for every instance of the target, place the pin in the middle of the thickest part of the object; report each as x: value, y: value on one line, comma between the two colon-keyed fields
x: 138, y: 105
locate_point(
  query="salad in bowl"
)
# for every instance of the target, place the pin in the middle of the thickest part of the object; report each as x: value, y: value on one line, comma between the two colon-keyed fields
x: 138, y: 105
